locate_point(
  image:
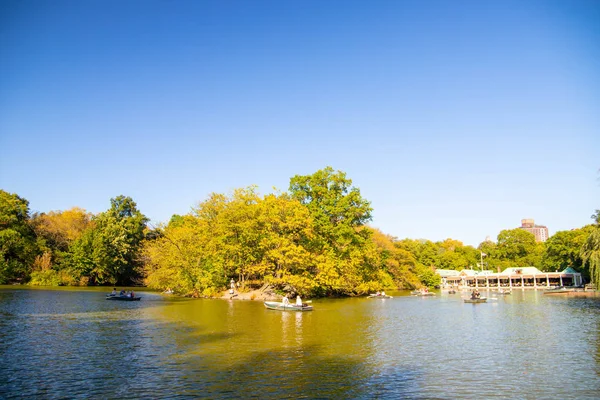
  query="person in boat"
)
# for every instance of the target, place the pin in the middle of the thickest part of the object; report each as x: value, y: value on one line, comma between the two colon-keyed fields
x: 382, y: 293
x: 298, y: 301
x: 114, y: 292
x: 378, y: 293
x: 285, y: 300
x: 132, y: 295
x: 122, y: 292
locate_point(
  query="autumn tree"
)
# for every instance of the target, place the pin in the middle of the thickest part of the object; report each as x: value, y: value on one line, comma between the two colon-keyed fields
x: 57, y: 230
x: 286, y: 227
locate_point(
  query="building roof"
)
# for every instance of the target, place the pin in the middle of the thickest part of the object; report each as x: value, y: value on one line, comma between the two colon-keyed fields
x: 508, y: 272
x: 444, y: 273
x: 472, y: 272
x: 570, y: 270
x: 522, y: 271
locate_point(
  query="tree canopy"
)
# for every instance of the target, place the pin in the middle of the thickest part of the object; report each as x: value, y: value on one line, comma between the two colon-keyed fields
x: 590, y: 251
x: 312, y: 240
x: 17, y: 239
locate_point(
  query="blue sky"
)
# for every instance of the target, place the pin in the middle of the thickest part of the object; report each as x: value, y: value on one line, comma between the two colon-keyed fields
x: 455, y: 119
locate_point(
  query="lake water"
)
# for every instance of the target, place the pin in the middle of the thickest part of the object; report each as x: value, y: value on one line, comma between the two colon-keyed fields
x: 72, y: 343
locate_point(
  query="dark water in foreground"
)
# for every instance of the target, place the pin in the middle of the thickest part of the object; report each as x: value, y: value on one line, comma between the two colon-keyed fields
x: 71, y: 343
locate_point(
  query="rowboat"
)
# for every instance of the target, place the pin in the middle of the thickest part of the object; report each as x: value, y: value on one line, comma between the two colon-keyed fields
x: 479, y: 300
x: 421, y: 293
x: 563, y: 290
x: 122, y: 298
x: 379, y: 296
x: 275, y: 305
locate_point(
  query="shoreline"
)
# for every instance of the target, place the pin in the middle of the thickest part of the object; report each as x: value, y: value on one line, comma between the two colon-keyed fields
x: 253, y: 295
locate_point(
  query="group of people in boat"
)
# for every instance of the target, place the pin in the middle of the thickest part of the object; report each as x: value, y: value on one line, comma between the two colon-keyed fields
x: 382, y: 293
x: 299, y: 303
x: 475, y: 294
x: 122, y: 293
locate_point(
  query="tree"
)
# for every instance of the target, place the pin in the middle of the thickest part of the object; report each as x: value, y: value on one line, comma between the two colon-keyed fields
x: 241, y: 236
x: 336, y: 207
x: 285, y: 228
x: 57, y: 230
x: 338, y: 213
x: 596, y: 217
x: 590, y: 251
x: 17, y: 240
x: 563, y: 250
x: 424, y: 251
x: 452, y: 254
x: 182, y: 257
x: 517, y: 247
x: 108, y: 253
x: 491, y: 259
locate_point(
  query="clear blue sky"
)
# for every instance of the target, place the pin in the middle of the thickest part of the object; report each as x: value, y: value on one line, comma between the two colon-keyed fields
x: 454, y: 118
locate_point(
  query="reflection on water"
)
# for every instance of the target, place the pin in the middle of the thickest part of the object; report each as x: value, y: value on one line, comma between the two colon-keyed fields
x: 75, y: 344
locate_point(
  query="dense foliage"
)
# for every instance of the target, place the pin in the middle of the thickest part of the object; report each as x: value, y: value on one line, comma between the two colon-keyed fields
x: 17, y: 239
x: 313, y: 240
x: 590, y: 251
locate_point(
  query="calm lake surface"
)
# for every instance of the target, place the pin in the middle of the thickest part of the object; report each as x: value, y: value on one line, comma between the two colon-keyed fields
x: 72, y: 343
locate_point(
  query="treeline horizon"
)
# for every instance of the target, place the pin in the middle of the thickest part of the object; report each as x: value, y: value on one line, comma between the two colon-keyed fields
x: 313, y: 240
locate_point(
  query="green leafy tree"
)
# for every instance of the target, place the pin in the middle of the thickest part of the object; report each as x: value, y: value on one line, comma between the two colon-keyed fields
x: 108, y: 253
x: 336, y: 207
x: 424, y: 251
x: 338, y: 212
x: 428, y: 276
x: 517, y: 248
x: 491, y: 258
x: 563, y: 250
x: 453, y: 254
x: 18, y: 248
x: 590, y: 251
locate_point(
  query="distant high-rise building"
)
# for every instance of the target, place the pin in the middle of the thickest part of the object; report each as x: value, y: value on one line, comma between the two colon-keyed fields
x: 539, y: 231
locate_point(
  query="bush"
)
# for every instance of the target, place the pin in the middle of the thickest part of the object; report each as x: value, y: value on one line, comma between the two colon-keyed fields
x: 51, y: 277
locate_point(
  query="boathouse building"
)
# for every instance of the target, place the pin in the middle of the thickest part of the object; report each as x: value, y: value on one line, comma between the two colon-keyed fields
x: 525, y: 278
